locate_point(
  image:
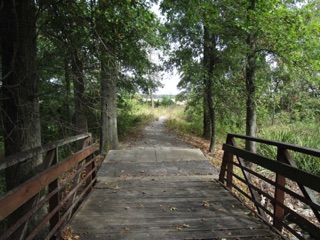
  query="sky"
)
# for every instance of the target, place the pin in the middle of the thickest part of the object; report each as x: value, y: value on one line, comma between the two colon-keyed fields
x: 169, y: 80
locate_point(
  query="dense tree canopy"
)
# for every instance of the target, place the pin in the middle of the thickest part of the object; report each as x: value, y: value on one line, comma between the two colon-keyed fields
x: 66, y: 64
x: 75, y: 41
x: 239, y: 61
x: 236, y: 51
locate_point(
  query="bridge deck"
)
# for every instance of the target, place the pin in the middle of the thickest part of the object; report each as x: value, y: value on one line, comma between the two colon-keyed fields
x: 163, y: 193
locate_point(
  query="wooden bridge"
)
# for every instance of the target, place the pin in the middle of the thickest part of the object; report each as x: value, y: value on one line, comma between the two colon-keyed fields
x: 163, y: 193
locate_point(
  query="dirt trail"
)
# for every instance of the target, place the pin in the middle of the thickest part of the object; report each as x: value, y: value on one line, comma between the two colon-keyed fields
x: 155, y: 135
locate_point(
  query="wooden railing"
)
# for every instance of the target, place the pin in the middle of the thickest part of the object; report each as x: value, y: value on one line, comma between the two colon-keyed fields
x: 58, y: 189
x: 272, y: 185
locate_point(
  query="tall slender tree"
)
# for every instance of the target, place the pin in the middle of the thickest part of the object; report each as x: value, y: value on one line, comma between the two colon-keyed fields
x: 199, y: 37
x: 186, y: 32
x: 251, y: 112
x: 123, y: 46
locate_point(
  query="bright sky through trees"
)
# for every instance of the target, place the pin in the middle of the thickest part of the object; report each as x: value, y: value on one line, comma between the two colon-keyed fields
x: 169, y: 80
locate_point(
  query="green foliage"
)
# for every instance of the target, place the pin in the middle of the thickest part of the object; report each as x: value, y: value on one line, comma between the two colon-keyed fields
x: 131, y: 124
x: 287, y: 65
x: 165, y: 102
x: 134, y: 114
x: 188, y: 120
x: 299, y: 133
x: 94, y: 31
x: 185, y: 120
x: 193, y: 128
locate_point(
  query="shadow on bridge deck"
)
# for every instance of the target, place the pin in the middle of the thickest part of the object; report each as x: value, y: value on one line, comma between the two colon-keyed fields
x: 163, y: 193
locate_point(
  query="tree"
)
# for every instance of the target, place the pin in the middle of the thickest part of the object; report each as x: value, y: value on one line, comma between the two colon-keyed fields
x: 199, y: 37
x: 264, y: 27
x: 250, y: 69
x: 97, y: 48
x: 65, y: 26
x: 186, y: 32
x: 19, y: 92
x: 123, y: 44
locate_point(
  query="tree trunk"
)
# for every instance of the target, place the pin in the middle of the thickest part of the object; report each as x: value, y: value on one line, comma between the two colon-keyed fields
x: 68, y: 90
x: 109, y: 128
x: 19, y: 95
x: 151, y: 98
x: 212, y: 121
x: 109, y: 73
x: 209, y: 63
x: 79, y: 94
x: 104, y: 103
x: 206, y: 117
x: 111, y: 91
x: 251, y: 114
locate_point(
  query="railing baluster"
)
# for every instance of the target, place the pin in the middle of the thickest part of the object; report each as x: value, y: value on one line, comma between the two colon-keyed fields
x: 307, y: 193
x: 49, y: 179
x: 89, y: 168
x: 284, y: 168
x: 54, y: 200
x: 279, y: 193
x: 254, y: 193
x: 81, y: 145
x: 229, y: 170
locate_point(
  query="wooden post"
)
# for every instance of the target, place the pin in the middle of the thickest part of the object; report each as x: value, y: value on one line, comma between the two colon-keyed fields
x: 89, y: 167
x: 229, y: 159
x: 227, y: 165
x: 279, y: 194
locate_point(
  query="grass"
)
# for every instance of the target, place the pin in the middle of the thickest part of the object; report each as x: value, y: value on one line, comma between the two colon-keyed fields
x: 301, y: 134
x: 131, y: 123
x: 304, y: 134
x: 182, y: 122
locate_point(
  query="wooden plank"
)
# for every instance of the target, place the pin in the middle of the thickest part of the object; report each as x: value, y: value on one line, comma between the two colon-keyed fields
x: 134, y: 168
x: 164, y: 206
x: 167, y: 208
x: 160, y: 234
x: 207, y: 224
x: 307, y: 179
x: 18, y: 196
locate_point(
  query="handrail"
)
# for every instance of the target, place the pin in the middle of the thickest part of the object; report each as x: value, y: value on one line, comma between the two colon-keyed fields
x: 66, y: 183
x: 305, y: 150
x: 24, y: 155
x: 271, y: 207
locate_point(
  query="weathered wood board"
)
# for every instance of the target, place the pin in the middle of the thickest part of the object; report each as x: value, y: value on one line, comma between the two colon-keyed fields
x: 155, y: 206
